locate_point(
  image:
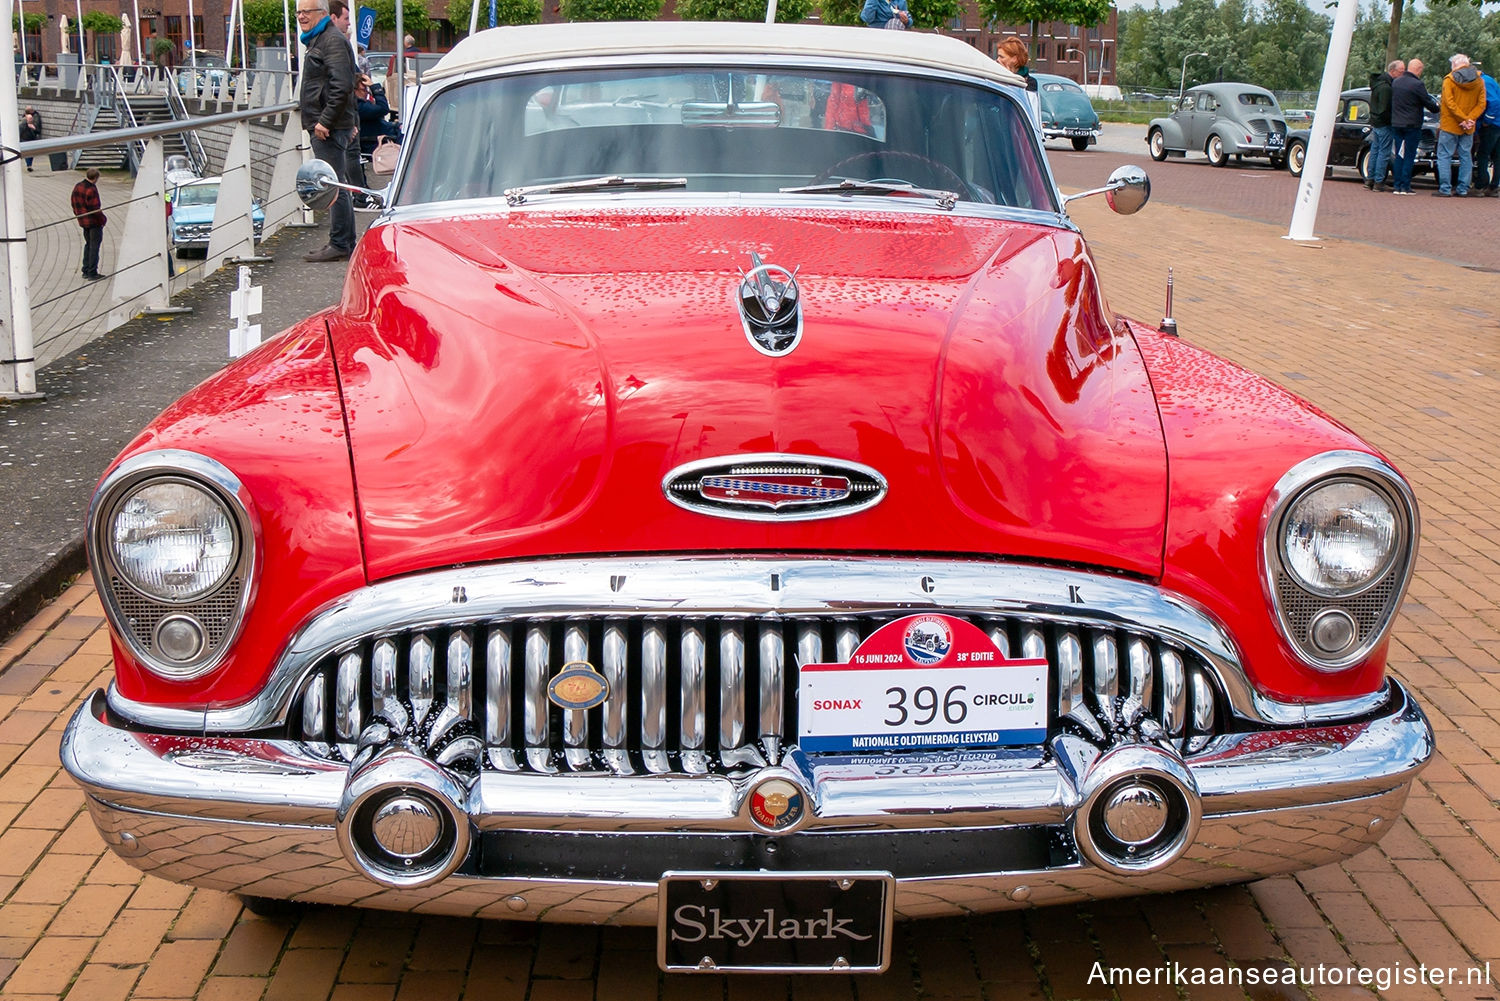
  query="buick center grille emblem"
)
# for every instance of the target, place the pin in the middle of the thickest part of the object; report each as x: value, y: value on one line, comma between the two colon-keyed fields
x: 770, y: 308
x: 774, y: 487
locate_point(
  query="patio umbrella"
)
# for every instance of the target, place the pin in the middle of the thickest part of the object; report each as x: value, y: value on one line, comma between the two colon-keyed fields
x: 62, y: 30
x: 127, y: 42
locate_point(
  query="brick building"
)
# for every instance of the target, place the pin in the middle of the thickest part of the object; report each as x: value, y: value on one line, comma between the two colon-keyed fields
x: 1083, y: 54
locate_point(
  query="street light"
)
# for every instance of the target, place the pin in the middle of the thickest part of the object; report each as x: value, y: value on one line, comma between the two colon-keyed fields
x: 1182, y: 84
x: 1099, y: 83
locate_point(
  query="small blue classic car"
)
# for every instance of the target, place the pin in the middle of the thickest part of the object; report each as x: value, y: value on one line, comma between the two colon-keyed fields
x: 192, y: 216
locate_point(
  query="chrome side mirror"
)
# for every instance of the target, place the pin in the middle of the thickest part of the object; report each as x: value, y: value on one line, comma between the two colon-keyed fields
x: 318, y: 185
x: 1127, y: 190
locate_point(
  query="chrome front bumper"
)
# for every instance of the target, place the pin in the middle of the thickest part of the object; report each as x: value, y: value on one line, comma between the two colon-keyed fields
x: 987, y: 832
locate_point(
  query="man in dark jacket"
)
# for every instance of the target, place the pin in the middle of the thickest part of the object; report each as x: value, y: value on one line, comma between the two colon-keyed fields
x: 329, y: 115
x: 1379, y: 158
x: 1409, y: 98
x: 90, y: 215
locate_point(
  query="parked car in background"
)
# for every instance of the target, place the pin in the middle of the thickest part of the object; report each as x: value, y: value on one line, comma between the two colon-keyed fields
x: 192, y: 218
x: 1066, y: 111
x: 206, y: 75
x: 1223, y: 120
x: 1350, y: 143
x: 722, y: 499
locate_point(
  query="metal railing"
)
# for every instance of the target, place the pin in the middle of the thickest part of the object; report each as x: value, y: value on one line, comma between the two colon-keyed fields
x: 55, y: 310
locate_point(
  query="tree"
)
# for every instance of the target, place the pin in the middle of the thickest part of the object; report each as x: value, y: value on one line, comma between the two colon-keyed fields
x: 1084, y: 13
x: 787, y: 11
x: 34, y: 23
x: 506, y: 12
x: 611, y: 10
x: 102, y: 23
x: 414, y: 15
x: 263, y: 18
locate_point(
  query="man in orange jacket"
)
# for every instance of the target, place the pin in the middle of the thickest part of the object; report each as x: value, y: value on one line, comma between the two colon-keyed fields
x: 1462, y: 104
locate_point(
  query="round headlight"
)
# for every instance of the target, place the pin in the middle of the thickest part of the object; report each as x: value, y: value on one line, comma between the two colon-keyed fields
x: 173, y: 540
x: 1340, y: 537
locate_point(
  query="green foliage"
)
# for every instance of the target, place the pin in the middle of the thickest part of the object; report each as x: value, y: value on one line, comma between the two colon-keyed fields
x: 613, y: 10
x: 414, y: 15
x: 1283, y: 45
x: 263, y: 17
x: 1085, y: 13
x: 936, y: 13
x: 787, y: 11
x: 506, y: 12
x: 101, y: 23
x: 34, y: 23
x: 841, y: 11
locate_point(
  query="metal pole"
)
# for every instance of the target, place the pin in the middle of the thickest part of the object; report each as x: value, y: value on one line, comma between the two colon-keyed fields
x: 770, y: 11
x: 192, y: 46
x: 140, y: 57
x: 83, y: 57
x: 1310, y: 190
x: 474, y: 17
x: 18, y: 366
x: 401, y: 58
x: 234, y: 6
x: 286, y: 34
x: 21, y: 16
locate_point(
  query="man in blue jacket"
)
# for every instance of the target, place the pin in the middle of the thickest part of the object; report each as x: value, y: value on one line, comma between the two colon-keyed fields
x: 1487, y: 142
x: 886, y: 14
x: 1409, y: 99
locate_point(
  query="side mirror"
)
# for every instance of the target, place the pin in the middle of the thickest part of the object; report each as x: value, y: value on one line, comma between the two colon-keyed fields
x: 317, y: 184
x: 1128, y: 190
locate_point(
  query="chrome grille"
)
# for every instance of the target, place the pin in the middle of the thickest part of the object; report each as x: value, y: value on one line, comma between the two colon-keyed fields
x: 695, y: 694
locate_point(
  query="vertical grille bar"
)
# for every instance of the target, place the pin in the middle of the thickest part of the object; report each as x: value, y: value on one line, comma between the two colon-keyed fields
x: 497, y: 699
x: 538, y: 654
x: 846, y: 641
x: 383, y: 672
x: 617, y: 706
x: 576, y: 721
x: 1201, y: 694
x: 419, y: 675
x: 772, y: 670
x: 1033, y: 642
x: 1069, y: 673
x: 731, y: 684
x: 1139, y: 671
x: 998, y: 636
x: 348, y: 718
x: 314, y: 711
x: 460, y: 678
x: 694, y: 699
x: 654, y: 698
x: 1106, y: 671
x: 1173, y: 692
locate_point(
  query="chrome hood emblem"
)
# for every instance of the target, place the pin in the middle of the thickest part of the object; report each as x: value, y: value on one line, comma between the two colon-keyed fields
x: 774, y: 487
x: 770, y: 308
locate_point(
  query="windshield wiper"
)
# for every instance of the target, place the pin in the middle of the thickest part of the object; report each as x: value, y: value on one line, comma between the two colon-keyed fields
x: 609, y: 182
x: 849, y: 186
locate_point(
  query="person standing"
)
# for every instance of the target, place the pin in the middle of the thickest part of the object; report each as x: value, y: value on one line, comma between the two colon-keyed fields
x: 1381, y: 138
x: 1409, y: 98
x: 1463, y: 102
x: 90, y: 214
x: 31, y: 129
x: 886, y: 14
x: 1487, y: 141
x: 328, y: 114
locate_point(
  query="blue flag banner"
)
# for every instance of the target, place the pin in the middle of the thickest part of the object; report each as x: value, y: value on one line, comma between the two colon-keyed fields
x: 364, y: 27
x: 494, y: 18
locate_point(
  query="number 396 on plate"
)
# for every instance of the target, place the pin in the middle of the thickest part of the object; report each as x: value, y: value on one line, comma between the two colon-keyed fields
x: 923, y: 681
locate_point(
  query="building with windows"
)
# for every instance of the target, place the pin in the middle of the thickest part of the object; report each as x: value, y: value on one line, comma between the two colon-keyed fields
x: 1084, y: 54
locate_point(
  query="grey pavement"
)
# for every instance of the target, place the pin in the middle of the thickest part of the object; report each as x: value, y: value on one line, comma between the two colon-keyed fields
x: 98, y: 396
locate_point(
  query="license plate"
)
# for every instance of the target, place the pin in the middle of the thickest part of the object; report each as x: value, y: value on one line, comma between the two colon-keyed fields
x: 922, y: 682
x: 1076, y: 132
x: 1274, y: 140
x: 775, y: 922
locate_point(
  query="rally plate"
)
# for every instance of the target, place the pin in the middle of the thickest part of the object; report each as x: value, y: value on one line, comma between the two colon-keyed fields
x: 769, y: 922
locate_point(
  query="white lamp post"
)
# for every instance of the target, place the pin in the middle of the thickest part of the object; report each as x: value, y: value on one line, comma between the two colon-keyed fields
x: 1182, y: 83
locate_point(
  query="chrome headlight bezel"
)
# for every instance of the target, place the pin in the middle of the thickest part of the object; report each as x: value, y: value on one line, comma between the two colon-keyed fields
x: 136, y: 613
x: 1367, y: 608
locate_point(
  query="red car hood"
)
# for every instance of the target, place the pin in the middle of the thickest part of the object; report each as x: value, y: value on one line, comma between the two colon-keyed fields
x: 519, y: 385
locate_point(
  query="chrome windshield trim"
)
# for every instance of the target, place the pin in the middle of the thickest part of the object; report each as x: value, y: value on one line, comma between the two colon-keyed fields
x: 746, y: 587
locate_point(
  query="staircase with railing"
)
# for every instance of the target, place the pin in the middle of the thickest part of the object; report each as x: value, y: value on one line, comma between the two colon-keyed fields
x: 108, y: 103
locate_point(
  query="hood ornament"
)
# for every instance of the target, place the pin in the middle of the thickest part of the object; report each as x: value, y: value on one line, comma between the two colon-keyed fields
x: 774, y: 487
x: 770, y: 308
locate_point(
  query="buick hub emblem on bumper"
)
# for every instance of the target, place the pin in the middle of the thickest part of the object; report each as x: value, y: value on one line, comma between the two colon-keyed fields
x: 774, y: 487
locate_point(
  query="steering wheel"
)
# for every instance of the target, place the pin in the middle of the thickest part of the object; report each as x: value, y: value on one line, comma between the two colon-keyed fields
x: 947, y: 177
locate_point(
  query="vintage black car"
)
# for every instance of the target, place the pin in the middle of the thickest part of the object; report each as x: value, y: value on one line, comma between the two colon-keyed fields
x: 1350, y: 146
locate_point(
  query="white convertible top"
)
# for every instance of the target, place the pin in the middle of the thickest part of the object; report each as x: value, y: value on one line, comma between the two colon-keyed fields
x: 592, y: 40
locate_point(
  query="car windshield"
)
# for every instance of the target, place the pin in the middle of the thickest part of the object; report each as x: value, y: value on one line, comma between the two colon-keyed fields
x: 722, y: 128
x: 197, y: 194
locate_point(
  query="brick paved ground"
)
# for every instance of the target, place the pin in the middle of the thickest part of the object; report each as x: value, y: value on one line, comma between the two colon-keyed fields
x: 1411, y: 364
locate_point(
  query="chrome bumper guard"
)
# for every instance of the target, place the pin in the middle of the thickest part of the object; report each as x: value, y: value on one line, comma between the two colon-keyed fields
x: 960, y: 831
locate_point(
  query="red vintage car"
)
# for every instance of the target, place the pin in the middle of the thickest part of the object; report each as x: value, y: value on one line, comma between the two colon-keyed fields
x: 723, y: 499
